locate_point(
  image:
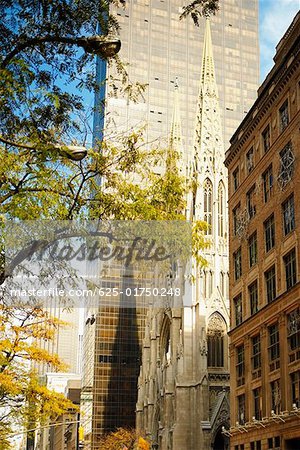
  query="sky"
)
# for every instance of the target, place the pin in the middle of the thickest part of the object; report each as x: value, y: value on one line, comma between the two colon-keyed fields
x: 275, y: 17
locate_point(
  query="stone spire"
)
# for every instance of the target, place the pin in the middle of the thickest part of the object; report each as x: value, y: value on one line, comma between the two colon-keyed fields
x: 208, y: 66
x: 208, y: 143
x: 175, y: 138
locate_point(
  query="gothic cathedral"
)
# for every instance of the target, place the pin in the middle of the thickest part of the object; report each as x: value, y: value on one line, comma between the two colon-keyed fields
x: 183, y: 389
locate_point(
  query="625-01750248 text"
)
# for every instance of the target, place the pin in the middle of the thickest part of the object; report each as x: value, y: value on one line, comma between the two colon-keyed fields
x: 139, y: 291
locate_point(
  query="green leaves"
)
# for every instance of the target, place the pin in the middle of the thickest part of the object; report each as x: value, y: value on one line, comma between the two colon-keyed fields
x: 200, y: 8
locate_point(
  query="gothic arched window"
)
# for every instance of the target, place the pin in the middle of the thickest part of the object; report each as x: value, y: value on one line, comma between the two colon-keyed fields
x: 208, y: 204
x: 215, y: 341
x: 165, y: 341
x: 221, y: 209
x: 208, y: 283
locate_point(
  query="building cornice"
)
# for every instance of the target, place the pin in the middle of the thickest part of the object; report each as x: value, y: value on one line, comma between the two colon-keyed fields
x: 269, y: 91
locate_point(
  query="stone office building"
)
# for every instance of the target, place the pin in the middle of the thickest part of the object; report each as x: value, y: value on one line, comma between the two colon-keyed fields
x: 264, y: 231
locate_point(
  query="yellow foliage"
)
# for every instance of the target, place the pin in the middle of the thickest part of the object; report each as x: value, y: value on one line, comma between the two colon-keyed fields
x: 20, y: 390
x: 123, y: 438
x: 9, y: 383
x: 143, y: 444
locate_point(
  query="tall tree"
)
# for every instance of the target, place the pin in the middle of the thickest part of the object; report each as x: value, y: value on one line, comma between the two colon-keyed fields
x: 46, y: 68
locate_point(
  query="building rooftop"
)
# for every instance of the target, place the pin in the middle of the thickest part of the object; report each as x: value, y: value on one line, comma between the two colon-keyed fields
x: 285, y: 54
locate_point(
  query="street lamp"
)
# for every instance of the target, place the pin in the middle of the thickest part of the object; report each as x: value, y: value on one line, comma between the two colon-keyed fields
x: 105, y: 46
x: 73, y: 152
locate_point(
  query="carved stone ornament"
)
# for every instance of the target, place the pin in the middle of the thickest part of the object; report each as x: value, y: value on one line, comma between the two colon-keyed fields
x: 287, y: 166
x: 294, y: 322
x: 203, y: 347
x: 216, y: 325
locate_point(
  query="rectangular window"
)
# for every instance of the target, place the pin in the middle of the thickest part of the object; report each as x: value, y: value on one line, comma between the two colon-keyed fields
x: 268, y: 183
x: 238, y: 309
x: 256, y: 353
x: 288, y: 211
x: 290, y: 269
x: 284, y: 115
x: 237, y: 263
x: 270, y: 277
x: 274, y: 443
x: 253, y: 296
x: 274, y: 347
x: 293, y: 332
x: 235, y: 214
x: 295, y: 387
x: 250, y: 160
x: 236, y: 179
x: 257, y: 403
x: 250, y: 202
x: 241, y: 409
x: 252, y: 246
x: 266, y: 139
x: 269, y: 227
x: 240, y: 365
x: 275, y: 396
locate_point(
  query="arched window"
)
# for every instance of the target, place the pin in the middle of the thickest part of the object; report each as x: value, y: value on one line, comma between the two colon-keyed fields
x: 208, y: 283
x: 215, y: 341
x: 208, y: 204
x: 221, y: 208
x: 165, y: 341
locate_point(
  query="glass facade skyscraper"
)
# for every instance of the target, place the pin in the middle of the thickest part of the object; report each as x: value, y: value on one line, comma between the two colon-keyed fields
x: 159, y: 47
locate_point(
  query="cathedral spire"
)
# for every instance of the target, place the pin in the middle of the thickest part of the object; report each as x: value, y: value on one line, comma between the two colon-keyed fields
x: 175, y: 138
x: 208, y: 78
x: 208, y: 142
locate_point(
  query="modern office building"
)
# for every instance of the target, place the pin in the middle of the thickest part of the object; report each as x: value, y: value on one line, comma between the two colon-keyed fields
x: 264, y: 258
x: 159, y: 47
x: 66, y: 333
x: 112, y: 355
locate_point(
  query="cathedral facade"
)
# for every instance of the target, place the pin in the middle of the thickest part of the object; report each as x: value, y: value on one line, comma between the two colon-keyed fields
x: 183, y: 389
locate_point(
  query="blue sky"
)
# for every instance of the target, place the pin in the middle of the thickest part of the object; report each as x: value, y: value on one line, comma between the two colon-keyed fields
x: 274, y: 18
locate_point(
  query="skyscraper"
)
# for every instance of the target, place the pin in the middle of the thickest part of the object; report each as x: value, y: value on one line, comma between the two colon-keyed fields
x: 159, y: 47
